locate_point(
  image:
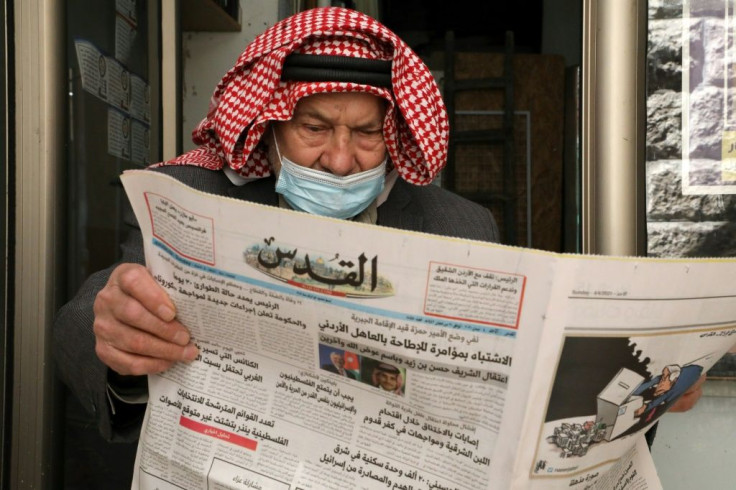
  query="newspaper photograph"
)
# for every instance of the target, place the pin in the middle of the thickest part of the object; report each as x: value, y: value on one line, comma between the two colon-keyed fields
x: 337, y: 355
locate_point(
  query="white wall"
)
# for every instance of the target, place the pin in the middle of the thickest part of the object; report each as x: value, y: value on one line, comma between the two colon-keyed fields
x: 206, y: 56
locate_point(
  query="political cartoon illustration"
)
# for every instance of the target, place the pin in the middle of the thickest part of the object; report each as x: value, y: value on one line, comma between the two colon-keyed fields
x: 599, y: 399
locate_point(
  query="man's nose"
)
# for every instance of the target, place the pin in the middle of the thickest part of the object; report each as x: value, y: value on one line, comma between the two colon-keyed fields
x: 339, y: 155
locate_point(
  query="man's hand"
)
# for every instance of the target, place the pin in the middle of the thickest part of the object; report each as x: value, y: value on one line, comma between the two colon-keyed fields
x: 690, y: 397
x: 135, y: 327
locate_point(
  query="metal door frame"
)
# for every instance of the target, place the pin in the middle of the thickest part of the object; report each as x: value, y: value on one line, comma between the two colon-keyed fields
x: 6, y: 221
x: 613, y: 126
x: 40, y: 137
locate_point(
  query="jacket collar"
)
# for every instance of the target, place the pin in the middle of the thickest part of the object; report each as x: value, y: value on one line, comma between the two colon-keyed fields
x: 400, y: 210
x: 260, y: 191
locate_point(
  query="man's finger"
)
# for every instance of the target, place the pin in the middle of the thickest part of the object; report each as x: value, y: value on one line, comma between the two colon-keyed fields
x: 690, y: 397
x: 133, y: 351
x: 129, y: 311
x: 687, y: 401
x: 129, y: 364
x: 141, y: 343
x: 135, y: 281
x: 134, y: 298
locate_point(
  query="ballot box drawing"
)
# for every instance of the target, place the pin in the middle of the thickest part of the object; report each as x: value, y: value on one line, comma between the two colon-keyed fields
x: 617, y: 405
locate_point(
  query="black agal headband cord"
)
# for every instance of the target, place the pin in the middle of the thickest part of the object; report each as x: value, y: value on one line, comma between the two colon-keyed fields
x: 318, y: 68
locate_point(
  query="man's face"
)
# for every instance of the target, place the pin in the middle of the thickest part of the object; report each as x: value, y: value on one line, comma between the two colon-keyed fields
x: 664, y: 384
x: 337, y: 360
x: 339, y: 133
x: 387, y: 381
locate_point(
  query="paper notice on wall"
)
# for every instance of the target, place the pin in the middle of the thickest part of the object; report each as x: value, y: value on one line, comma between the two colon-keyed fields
x: 93, y: 68
x: 140, y: 143
x: 125, y: 33
x: 126, y: 8
x: 118, y: 134
x: 109, y: 80
x: 107, y: 77
x: 119, y: 91
x: 140, y: 99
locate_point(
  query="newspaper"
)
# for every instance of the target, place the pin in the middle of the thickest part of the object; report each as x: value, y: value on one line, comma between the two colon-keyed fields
x: 341, y: 355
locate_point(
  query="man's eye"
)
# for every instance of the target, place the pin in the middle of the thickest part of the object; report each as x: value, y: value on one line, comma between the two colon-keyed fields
x: 314, y: 129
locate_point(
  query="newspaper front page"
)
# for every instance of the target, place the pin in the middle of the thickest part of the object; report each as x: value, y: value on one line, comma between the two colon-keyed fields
x: 340, y: 355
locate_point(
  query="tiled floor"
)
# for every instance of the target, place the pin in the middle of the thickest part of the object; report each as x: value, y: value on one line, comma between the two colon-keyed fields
x: 697, y: 449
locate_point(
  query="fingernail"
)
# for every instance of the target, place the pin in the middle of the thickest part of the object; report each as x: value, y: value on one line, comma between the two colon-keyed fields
x: 181, y: 338
x: 190, y: 352
x: 165, y: 313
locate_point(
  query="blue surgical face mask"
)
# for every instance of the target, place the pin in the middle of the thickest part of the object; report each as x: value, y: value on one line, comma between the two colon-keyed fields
x: 325, y: 194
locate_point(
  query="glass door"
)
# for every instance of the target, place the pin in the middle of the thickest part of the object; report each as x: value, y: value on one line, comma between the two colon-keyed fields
x: 114, y: 96
x: 691, y: 129
x: 690, y: 189
x: 691, y: 134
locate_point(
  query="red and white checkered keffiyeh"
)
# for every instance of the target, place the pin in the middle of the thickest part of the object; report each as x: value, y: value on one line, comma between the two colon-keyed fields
x: 252, y: 93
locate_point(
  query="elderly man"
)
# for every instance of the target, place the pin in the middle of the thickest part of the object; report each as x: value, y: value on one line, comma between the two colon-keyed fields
x: 327, y: 112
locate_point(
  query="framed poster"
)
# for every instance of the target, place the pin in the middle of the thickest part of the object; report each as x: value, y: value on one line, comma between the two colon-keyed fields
x: 708, y: 97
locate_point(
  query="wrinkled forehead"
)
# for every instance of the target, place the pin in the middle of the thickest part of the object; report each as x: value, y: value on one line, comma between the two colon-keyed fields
x: 328, y: 105
x: 303, y: 96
